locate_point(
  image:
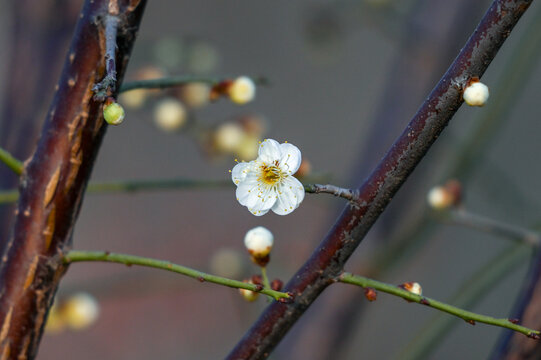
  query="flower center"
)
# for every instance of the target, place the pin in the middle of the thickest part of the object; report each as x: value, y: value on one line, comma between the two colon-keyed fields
x: 270, y: 175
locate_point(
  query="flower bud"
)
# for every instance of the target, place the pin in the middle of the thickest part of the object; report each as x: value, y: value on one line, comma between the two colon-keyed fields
x: 276, y: 285
x: 133, y: 99
x: 304, y: 169
x: 248, y: 295
x: 259, y: 242
x: 170, y: 115
x: 242, y: 90
x: 248, y: 147
x: 195, y: 95
x: 446, y: 196
x: 113, y: 112
x: 256, y: 279
x: 476, y: 94
x: 370, y: 294
x: 228, y: 137
x: 80, y: 311
x: 413, y: 287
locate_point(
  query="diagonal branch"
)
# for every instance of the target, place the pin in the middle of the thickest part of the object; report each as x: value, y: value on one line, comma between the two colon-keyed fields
x: 54, y: 179
x: 468, y: 316
x: 329, y: 258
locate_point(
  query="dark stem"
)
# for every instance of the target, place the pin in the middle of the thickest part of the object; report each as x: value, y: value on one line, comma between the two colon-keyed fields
x: 328, y: 260
x: 108, y: 85
x: 347, y: 194
x: 53, y: 181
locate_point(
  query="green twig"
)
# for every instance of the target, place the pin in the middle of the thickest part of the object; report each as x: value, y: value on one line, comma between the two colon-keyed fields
x: 266, y: 282
x: 11, y: 162
x: 78, y: 256
x: 467, y: 296
x: 468, y: 316
x: 167, y: 82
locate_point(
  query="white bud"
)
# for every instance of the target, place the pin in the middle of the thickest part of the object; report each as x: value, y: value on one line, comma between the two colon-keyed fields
x: 439, y: 198
x: 249, y: 295
x: 413, y: 287
x: 242, y: 90
x: 228, y: 137
x: 476, y: 94
x: 170, y: 115
x: 259, y: 242
x: 133, y: 99
x: 196, y: 94
x: 80, y: 311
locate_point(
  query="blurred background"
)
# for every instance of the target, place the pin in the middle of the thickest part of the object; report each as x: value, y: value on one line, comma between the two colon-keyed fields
x: 344, y: 78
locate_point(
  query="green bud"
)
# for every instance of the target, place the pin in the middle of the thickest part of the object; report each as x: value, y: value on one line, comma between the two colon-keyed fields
x: 113, y: 113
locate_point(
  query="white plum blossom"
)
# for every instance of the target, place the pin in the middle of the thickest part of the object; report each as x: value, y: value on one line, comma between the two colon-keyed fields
x: 267, y: 183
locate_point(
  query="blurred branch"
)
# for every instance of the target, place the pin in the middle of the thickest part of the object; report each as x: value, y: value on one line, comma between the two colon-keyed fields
x: 327, y: 261
x: 494, y: 227
x: 469, y: 294
x: 53, y: 183
x: 181, y: 80
x: 131, y: 186
x: 468, y: 316
x: 79, y: 256
x: 15, y: 165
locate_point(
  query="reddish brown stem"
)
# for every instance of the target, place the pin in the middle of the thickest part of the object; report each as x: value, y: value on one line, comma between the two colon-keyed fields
x: 328, y: 260
x: 53, y: 183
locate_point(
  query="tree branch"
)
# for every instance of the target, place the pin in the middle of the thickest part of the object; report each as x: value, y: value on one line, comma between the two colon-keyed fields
x: 173, y: 81
x: 467, y: 316
x: 53, y: 181
x: 79, y: 256
x: 328, y: 260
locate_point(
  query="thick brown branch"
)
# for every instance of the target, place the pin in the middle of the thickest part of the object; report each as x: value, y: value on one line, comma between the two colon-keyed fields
x: 328, y: 259
x: 54, y: 180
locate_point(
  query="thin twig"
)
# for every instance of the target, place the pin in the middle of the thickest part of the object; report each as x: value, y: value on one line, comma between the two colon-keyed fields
x: 131, y: 186
x: 468, y: 316
x: 11, y: 162
x: 79, y: 256
x: 469, y: 294
x: 347, y: 194
x: 327, y: 261
x: 482, y: 223
x: 173, y: 81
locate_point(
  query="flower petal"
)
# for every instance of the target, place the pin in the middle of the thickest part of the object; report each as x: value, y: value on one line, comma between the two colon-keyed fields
x: 259, y: 212
x: 247, y: 190
x: 269, y: 151
x: 290, y: 195
x: 266, y: 198
x: 239, y: 172
x: 290, y: 159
